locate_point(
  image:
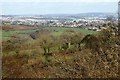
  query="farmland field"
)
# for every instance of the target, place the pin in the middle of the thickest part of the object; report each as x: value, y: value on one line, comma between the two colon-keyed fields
x: 55, y: 31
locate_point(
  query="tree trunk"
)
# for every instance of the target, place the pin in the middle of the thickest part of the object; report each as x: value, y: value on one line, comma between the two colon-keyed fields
x: 46, y: 51
x: 60, y: 47
x: 69, y: 45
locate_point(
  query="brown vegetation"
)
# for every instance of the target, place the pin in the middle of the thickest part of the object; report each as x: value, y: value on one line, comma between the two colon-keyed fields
x: 71, y: 55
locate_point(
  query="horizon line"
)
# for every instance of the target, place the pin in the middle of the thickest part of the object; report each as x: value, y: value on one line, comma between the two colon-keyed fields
x: 67, y: 13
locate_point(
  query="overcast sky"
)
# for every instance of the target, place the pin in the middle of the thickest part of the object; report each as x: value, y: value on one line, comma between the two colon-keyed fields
x: 33, y: 7
x: 59, y: 0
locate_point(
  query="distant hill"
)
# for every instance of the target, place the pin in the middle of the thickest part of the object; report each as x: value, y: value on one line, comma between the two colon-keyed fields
x: 63, y: 17
x: 78, y: 14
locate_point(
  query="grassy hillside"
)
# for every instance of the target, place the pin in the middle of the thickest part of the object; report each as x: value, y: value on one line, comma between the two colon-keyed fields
x: 72, y: 54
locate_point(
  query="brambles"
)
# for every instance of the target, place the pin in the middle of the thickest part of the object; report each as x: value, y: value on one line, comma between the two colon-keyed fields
x: 70, y: 55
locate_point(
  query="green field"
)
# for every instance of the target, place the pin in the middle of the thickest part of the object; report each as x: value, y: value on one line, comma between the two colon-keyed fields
x: 55, y: 31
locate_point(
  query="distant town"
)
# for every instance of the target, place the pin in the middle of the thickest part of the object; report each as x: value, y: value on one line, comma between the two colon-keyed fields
x: 91, y: 21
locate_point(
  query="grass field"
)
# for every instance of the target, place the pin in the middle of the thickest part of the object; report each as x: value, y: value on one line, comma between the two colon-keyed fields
x: 55, y: 31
